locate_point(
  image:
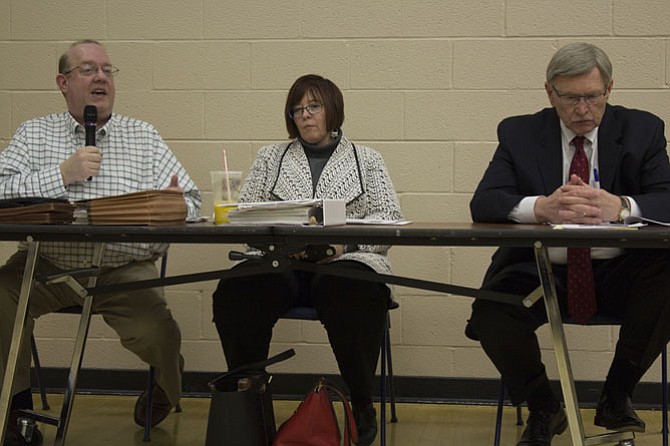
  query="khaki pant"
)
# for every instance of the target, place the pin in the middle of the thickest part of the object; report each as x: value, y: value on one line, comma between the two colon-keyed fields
x: 141, y: 318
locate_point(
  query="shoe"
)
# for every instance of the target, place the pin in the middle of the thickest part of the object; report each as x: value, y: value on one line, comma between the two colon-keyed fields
x: 542, y: 426
x: 160, y: 407
x: 15, y: 438
x: 615, y: 412
x: 366, y: 424
x: 160, y: 403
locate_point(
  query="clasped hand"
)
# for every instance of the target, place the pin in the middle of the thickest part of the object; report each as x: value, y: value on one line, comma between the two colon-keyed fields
x: 577, y: 202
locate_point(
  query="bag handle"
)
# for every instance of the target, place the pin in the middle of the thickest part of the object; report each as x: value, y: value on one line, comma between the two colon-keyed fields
x: 255, y: 365
x: 349, y: 433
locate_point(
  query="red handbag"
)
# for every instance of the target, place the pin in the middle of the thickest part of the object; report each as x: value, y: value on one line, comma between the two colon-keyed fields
x: 314, y: 422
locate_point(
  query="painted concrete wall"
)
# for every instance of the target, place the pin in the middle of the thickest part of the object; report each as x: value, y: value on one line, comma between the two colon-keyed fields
x: 425, y: 83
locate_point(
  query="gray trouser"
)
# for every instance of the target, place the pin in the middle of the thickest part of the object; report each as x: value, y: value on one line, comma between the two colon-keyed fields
x: 141, y: 318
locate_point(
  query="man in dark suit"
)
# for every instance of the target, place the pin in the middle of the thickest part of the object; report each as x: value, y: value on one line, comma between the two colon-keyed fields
x: 620, y: 168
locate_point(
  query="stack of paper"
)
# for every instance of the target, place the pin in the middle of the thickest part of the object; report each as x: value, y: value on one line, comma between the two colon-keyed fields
x: 150, y: 208
x: 321, y: 212
x: 36, y: 210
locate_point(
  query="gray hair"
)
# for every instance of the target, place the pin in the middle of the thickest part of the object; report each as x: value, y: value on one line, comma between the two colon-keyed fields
x: 579, y: 58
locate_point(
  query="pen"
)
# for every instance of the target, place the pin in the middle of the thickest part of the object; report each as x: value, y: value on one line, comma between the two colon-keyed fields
x: 596, y: 178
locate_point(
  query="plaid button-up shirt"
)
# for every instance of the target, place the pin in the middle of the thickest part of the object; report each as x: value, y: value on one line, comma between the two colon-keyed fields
x: 134, y: 158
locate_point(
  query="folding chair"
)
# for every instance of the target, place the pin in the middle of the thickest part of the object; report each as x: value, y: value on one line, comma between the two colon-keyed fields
x: 597, y: 321
x: 386, y: 381
x: 150, y: 378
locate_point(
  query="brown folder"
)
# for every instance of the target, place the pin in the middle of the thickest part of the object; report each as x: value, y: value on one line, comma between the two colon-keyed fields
x: 36, y: 210
x: 151, y: 207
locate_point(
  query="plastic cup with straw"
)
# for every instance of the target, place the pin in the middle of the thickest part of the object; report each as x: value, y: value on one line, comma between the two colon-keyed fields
x: 222, y: 187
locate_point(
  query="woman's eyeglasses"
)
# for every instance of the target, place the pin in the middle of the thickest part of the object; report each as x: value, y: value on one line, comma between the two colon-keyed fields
x: 312, y: 109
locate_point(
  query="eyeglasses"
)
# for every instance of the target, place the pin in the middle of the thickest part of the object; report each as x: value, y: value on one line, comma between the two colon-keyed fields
x: 89, y: 69
x: 312, y: 109
x: 573, y: 99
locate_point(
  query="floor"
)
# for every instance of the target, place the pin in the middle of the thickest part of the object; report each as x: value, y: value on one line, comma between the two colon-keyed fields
x: 107, y: 421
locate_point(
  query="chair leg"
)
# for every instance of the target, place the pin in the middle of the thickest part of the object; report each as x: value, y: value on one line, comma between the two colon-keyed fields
x: 149, y: 399
x: 501, y: 396
x: 664, y: 383
x: 387, y: 380
x: 382, y: 390
x: 38, y: 373
x: 389, y: 366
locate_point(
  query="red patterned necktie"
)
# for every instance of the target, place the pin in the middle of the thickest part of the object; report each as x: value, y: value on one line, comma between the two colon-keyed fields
x: 581, y: 289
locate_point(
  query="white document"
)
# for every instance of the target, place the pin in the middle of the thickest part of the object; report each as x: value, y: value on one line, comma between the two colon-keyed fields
x: 363, y: 221
x: 631, y: 220
x: 319, y: 212
x: 603, y: 226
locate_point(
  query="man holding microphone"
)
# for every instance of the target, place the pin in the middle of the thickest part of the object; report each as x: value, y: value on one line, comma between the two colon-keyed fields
x: 48, y: 157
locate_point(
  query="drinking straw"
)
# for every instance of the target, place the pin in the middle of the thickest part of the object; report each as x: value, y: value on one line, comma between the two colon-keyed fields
x: 225, y: 169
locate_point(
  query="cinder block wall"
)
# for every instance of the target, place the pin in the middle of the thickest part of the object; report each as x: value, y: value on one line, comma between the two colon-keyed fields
x: 425, y: 82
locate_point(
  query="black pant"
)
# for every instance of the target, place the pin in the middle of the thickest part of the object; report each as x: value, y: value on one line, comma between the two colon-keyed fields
x: 353, y: 312
x: 634, y: 287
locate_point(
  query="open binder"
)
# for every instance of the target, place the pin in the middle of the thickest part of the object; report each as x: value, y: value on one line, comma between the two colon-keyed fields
x: 36, y: 210
x: 320, y: 212
x: 150, y: 208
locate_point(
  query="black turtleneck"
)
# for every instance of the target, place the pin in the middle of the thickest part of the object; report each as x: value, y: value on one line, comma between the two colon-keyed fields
x: 318, y: 156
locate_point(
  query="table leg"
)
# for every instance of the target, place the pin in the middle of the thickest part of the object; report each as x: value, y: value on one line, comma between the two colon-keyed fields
x: 78, y: 353
x: 560, y: 345
x: 17, y: 334
x: 563, y: 359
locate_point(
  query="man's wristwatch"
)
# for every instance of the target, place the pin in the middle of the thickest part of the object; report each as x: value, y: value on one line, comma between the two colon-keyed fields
x: 624, y: 211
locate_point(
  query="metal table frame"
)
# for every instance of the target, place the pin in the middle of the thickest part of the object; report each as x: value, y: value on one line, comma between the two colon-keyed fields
x: 280, y: 240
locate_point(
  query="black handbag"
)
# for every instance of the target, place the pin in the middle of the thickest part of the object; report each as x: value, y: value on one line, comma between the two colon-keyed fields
x: 241, y: 411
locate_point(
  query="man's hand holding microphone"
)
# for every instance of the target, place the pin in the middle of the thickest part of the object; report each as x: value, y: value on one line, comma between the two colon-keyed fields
x: 84, y: 163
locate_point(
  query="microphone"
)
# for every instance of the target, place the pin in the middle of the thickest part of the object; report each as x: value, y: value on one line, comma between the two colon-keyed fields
x: 90, y: 122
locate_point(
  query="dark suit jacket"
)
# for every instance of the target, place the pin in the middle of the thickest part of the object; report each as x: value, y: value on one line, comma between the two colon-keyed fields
x: 632, y: 161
